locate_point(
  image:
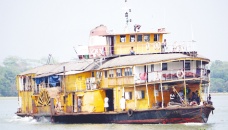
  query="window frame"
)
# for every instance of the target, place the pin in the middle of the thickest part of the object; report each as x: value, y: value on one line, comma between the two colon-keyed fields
x: 119, y: 72
x: 131, y: 36
x: 142, y: 94
x: 152, y: 68
x: 98, y: 74
x: 148, y: 40
x: 128, y: 71
x: 138, y: 37
x: 187, y: 65
x: 122, y: 36
x: 156, y: 37
x: 111, y: 73
x: 130, y: 95
x: 106, y: 73
x: 164, y: 66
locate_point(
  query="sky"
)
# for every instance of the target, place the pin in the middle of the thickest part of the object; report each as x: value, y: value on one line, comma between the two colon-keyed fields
x: 33, y: 29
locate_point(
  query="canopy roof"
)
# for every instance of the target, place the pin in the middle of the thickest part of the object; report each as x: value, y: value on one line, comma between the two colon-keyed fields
x: 150, y: 58
x: 84, y: 65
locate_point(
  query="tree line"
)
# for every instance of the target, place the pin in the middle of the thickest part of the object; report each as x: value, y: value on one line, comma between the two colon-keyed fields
x: 219, y: 76
x: 12, y: 66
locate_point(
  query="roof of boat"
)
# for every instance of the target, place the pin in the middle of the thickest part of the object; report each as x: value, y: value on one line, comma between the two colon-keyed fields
x: 84, y: 65
x: 134, y: 33
x: 50, y: 69
x: 144, y: 59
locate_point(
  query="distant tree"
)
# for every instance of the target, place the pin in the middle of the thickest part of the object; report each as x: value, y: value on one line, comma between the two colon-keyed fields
x: 12, y: 66
x: 219, y: 76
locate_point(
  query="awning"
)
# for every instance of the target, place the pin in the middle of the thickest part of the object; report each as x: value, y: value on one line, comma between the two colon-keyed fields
x: 44, y: 75
x: 70, y: 72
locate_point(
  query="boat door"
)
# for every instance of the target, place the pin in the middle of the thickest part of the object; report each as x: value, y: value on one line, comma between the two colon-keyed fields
x: 112, y: 45
x: 75, y: 99
x: 109, y: 94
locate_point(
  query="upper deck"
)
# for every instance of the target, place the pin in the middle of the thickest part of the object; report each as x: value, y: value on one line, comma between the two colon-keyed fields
x: 103, y: 43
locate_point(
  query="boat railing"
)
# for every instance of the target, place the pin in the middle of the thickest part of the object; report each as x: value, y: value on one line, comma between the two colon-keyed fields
x: 156, y: 76
x: 141, y: 48
x: 121, y: 80
x: 172, y: 74
x: 140, y: 77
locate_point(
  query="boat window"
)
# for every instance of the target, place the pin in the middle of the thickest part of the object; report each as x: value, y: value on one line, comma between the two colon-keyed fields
x: 132, y: 38
x: 111, y: 73
x: 119, y: 72
x: 122, y: 38
x: 98, y: 74
x: 128, y: 95
x: 187, y: 65
x: 156, y: 37
x: 92, y: 74
x: 139, y: 38
x: 128, y: 72
x: 152, y: 68
x: 46, y: 82
x: 88, y: 84
x: 164, y: 66
x: 147, y: 37
x: 106, y: 73
x: 140, y: 94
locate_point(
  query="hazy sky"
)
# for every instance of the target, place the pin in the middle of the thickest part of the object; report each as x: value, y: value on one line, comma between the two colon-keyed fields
x: 35, y: 28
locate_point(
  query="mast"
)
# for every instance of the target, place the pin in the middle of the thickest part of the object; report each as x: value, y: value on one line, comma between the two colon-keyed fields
x: 127, y: 10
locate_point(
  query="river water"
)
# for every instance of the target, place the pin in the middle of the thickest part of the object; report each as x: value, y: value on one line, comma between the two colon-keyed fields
x: 9, y: 121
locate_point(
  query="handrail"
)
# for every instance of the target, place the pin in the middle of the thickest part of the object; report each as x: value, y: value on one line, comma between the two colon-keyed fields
x: 165, y: 75
x: 140, y: 48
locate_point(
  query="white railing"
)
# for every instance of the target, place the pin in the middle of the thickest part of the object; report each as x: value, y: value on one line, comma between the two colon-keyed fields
x: 141, y: 48
x: 174, y: 74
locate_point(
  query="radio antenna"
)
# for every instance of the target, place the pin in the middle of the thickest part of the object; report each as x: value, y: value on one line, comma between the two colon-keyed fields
x: 127, y: 11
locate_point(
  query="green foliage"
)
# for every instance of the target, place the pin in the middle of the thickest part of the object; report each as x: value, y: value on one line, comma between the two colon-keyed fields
x: 219, y: 76
x: 12, y: 66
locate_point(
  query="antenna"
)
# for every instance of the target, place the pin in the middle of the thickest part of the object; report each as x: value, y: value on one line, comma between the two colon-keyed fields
x: 127, y: 10
x: 192, y: 34
x: 76, y: 53
x: 49, y: 59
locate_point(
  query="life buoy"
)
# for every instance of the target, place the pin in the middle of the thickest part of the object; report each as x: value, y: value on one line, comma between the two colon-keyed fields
x: 180, y: 74
x: 130, y: 112
x: 193, y: 103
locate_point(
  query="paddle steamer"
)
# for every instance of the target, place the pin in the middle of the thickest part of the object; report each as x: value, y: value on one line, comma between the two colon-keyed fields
x: 141, y: 67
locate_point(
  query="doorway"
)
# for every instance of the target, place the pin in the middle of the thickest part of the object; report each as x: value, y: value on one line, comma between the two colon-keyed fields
x: 112, y: 46
x: 75, y: 102
x: 109, y: 94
